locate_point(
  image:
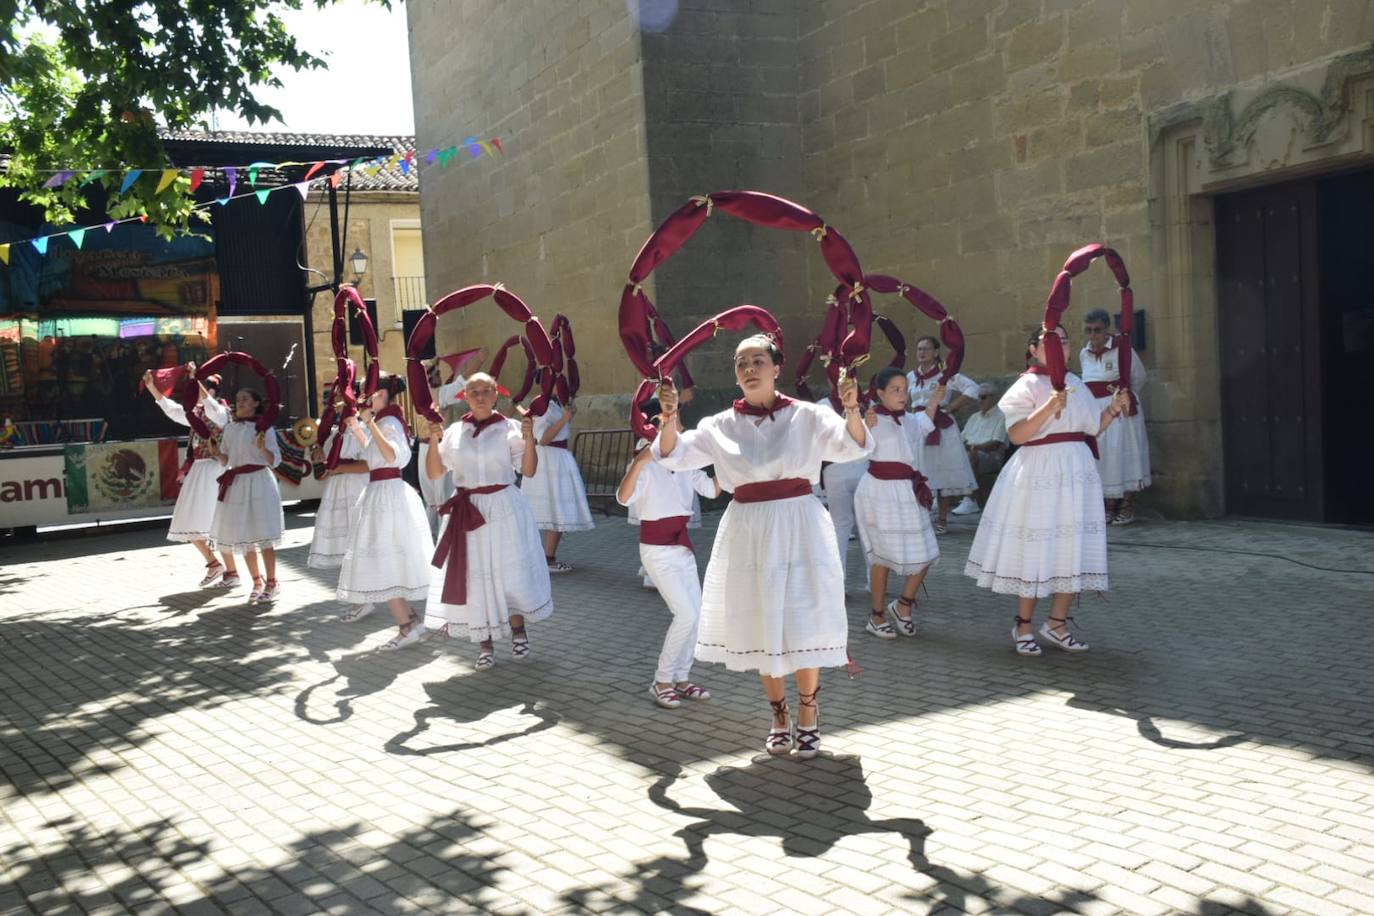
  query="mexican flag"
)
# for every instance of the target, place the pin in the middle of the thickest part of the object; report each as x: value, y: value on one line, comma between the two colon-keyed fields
x: 122, y: 475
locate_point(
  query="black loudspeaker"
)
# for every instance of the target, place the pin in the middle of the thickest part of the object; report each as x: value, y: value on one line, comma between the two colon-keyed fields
x: 409, y: 318
x: 355, y: 330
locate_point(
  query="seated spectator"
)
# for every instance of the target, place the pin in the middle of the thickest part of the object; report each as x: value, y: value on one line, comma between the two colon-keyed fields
x: 985, y: 439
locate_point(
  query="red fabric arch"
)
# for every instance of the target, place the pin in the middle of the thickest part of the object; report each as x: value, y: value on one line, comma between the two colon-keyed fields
x: 1058, y: 303
x: 641, y: 329
x: 512, y: 305
x: 951, y: 335
x: 349, y: 296
x: 190, y: 394
x: 499, y: 363
x: 741, y: 316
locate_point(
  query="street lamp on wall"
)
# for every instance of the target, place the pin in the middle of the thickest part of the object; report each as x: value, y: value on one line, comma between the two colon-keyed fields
x: 358, y: 261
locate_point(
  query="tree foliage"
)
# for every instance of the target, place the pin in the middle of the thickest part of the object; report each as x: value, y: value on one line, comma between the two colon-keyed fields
x: 86, y: 84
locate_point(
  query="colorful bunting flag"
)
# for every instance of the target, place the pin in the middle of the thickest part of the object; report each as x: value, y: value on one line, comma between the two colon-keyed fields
x: 496, y: 142
x: 197, y: 176
x: 233, y: 175
x: 94, y: 176
x: 129, y: 178
x: 78, y: 236
x: 109, y: 227
x: 5, y: 253
x: 304, y: 188
x: 59, y: 179
x: 313, y: 169
x: 262, y: 195
x: 41, y: 244
x: 168, y: 176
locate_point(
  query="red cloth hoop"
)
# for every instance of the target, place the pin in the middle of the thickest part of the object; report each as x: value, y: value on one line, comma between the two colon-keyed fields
x: 499, y: 363
x: 951, y: 335
x: 734, y: 319
x: 349, y: 296
x: 423, y: 333
x: 568, y: 380
x: 642, y: 330
x: 1058, y: 303
x: 190, y: 394
x: 341, y: 392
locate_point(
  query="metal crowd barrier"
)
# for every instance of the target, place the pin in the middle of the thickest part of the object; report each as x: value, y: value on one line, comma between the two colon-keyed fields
x: 603, y: 455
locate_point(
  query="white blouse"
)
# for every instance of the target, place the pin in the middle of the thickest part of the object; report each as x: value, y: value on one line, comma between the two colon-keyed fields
x: 394, y: 432
x: 661, y: 493
x: 1028, y: 392
x: 550, y: 417
x: 921, y: 391
x: 486, y: 460
x: 238, y: 441
x: 1107, y: 368
x: 893, y: 442
x: 350, y: 450
x: 792, y: 445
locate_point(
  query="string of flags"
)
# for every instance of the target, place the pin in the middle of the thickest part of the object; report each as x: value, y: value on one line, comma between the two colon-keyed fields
x: 406, y: 162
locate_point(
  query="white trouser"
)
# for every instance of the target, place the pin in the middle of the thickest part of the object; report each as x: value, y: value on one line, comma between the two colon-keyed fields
x: 673, y: 570
x: 435, y: 492
x: 839, y: 498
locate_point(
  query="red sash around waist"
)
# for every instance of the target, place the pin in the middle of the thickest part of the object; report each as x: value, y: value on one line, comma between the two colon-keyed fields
x: 561, y: 443
x: 770, y: 490
x: 1107, y: 389
x: 384, y: 474
x: 665, y: 532
x: 942, y: 421
x: 898, y: 470
x: 453, y: 545
x: 226, y: 480
x: 1089, y: 441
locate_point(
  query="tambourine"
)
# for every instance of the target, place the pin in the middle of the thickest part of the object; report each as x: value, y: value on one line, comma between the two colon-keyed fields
x: 304, y: 431
x: 513, y: 306
x: 190, y: 394
x: 734, y: 319
x: 1058, y: 303
x: 638, y: 319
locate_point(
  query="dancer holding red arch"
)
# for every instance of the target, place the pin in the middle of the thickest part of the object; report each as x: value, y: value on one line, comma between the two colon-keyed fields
x: 773, y: 598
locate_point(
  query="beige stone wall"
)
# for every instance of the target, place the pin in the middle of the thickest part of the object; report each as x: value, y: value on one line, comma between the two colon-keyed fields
x: 559, y: 217
x: 370, y: 215
x: 970, y: 145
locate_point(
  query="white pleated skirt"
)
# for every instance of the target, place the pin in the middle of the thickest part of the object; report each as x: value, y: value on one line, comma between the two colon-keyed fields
x: 334, y: 520
x: 557, y: 496
x: 946, y: 465
x: 195, y: 509
x: 894, y: 528
x: 1042, y: 531
x: 1125, y: 450
x: 507, y: 573
x: 773, y: 597
x: 250, y: 516
x: 389, y: 547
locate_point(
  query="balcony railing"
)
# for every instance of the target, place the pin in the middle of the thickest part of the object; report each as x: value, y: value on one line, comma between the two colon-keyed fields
x: 410, y: 292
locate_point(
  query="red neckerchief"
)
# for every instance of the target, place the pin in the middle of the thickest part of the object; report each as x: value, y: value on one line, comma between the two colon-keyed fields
x: 922, y: 377
x: 749, y: 410
x: 896, y: 415
x: 1100, y: 353
x: 479, y: 425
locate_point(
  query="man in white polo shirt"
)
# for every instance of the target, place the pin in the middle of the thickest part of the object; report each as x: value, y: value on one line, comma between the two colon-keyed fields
x: 985, y: 439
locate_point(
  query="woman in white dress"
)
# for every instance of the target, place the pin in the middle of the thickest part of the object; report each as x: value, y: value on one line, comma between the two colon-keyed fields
x: 839, y: 482
x: 894, y: 524
x: 1124, y: 447
x: 1042, y: 533
x: 491, y: 577
x: 387, y: 559
x: 942, y: 457
x: 773, y: 599
x: 342, y: 486
x: 248, y: 517
x: 556, y: 492
x: 195, y: 506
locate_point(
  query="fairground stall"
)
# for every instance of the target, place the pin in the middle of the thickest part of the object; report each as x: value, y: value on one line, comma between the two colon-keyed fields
x: 84, y: 313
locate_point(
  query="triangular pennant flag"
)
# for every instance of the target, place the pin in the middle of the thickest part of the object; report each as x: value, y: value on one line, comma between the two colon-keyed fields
x: 77, y: 236
x: 431, y: 156
x: 222, y: 201
x: 486, y: 147
x: 94, y: 176
x: 337, y: 178
x: 405, y: 166
x: 143, y: 217
x: 129, y: 178
x: 109, y: 227
x: 262, y: 195
x: 254, y: 168
x: 168, y: 176
x: 233, y: 175
x: 496, y: 142
x: 5, y: 253
x: 41, y: 244
x: 304, y: 188
x: 59, y: 179
x: 313, y: 169
x: 197, y: 176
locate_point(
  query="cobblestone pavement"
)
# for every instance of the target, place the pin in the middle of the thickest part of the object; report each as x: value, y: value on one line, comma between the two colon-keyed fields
x: 169, y: 749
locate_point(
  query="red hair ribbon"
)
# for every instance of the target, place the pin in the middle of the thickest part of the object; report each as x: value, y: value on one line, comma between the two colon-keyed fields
x: 1058, y: 303
x: 513, y: 306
